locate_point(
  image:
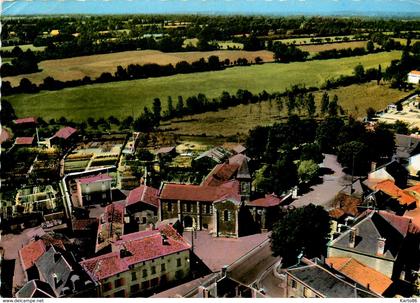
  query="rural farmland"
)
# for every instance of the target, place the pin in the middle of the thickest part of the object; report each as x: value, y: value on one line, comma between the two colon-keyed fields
x: 92, y: 66
x: 129, y: 97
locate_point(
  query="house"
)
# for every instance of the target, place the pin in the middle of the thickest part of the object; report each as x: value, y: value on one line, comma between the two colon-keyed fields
x: 406, y: 146
x: 28, y: 121
x: 344, y: 205
x: 111, y: 225
x: 362, y: 274
x: 313, y: 279
x: 35, y: 289
x: 24, y: 127
x: 239, y: 149
x: 413, y: 77
x: 65, y: 136
x: 4, y: 135
x: 24, y: 141
x: 393, y: 171
x: 142, y: 205
x: 379, y: 240
x: 413, y: 166
x: 37, y: 199
x: 236, y: 168
x: 94, y: 189
x: 212, y: 157
x: 266, y: 211
x: 202, y: 207
x: 140, y: 263
x: 166, y: 153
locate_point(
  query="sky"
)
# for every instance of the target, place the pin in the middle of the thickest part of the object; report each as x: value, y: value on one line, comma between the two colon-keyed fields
x: 267, y: 7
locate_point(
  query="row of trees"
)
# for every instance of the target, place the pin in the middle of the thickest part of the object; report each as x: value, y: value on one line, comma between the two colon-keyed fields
x: 22, y: 63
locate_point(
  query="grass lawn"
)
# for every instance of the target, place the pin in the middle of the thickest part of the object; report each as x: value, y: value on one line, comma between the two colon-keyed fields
x: 240, y: 119
x: 316, y: 48
x: 129, y: 97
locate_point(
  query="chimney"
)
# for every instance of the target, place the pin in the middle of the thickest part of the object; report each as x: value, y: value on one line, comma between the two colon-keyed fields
x: 164, y: 240
x: 224, y: 270
x: 352, y: 237
x: 380, y: 246
x: 373, y: 166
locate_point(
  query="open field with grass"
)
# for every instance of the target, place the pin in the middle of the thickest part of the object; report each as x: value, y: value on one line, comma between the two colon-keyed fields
x: 316, y: 48
x: 122, y: 99
x: 24, y: 47
x: 240, y: 119
x: 92, y: 66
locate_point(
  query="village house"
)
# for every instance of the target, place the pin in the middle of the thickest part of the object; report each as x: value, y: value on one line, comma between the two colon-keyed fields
x: 413, y: 166
x: 36, y: 199
x: 24, y: 127
x: 413, y: 77
x: 313, y: 279
x: 368, y: 277
x: 142, y: 205
x: 111, y: 225
x: 63, y: 137
x: 141, y: 263
x: 4, y: 135
x: 212, y: 157
x: 406, y: 147
x: 93, y: 189
x: 382, y: 241
x: 25, y: 141
x: 203, y: 207
x: 393, y: 171
x: 166, y: 153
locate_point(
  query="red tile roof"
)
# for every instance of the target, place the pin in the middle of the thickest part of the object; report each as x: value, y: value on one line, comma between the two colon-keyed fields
x: 143, y: 246
x: 401, y: 223
x: 415, y: 72
x: 4, y: 135
x: 25, y: 120
x: 31, y: 253
x: 24, y: 140
x: 65, y: 132
x: 114, y: 213
x: 145, y: 194
x: 84, y: 224
x: 96, y: 178
x: 188, y: 192
x: 389, y: 187
x: 362, y: 274
x: 267, y: 201
x: 345, y: 205
x: 220, y: 174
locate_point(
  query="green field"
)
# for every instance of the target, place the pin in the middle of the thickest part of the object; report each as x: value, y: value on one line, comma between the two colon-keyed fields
x: 129, y: 97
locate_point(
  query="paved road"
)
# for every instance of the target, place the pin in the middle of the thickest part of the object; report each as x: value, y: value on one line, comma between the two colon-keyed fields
x: 273, y: 286
x: 322, y: 194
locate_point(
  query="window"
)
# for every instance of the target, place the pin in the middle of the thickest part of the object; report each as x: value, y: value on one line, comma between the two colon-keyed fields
x: 144, y: 284
x: 208, y: 207
x: 162, y: 267
x: 119, y: 282
x: 107, y: 286
x: 189, y: 207
x: 294, y: 284
x: 133, y: 276
x: 120, y: 294
x: 154, y: 282
x: 153, y: 270
x: 169, y: 206
x: 143, y: 220
x: 134, y: 288
x: 144, y: 273
x: 226, y: 215
x: 178, y: 262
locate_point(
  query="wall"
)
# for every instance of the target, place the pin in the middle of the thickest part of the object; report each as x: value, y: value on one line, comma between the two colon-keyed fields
x: 300, y: 291
x: 227, y: 228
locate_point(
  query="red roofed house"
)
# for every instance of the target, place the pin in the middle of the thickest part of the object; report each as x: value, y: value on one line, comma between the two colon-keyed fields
x: 212, y: 208
x: 24, y: 127
x: 94, y: 189
x: 29, y: 141
x: 64, y: 136
x: 413, y: 77
x: 25, y: 121
x: 141, y: 263
x: 142, y: 205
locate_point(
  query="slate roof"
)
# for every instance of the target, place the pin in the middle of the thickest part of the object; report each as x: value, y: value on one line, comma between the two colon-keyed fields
x: 35, y: 289
x: 24, y: 140
x: 65, y: 132
x: 371, y: 226
x: 188, y: 192
x: 327, y: 283
x: 268, y: 201
x: 145, y: 194
x: 52, y: 264
x: 362, y: 274
x: 96, y: 178
x: 142, y: 246
x: 218, y: 154
x: 406, y: 146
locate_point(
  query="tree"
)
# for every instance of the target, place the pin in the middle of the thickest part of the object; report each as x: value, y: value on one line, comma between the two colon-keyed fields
x: 157, y: 109
x: 180, y: 106
x: 354, y: 156
x: 401, y: 127
x: 370, y: 46
x: 311, y: 151
x: 310, y: 104
x: 307, y: 170
x: 303, y: 229
x: 170, y: 112
x: 7, y: 112
x: 333, y: 107
x: 370, y: 113
x: 325, y: 102
x: 359, y: 73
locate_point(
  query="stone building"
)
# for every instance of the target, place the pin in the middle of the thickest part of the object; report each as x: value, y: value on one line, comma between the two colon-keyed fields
x: 141, y: 263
